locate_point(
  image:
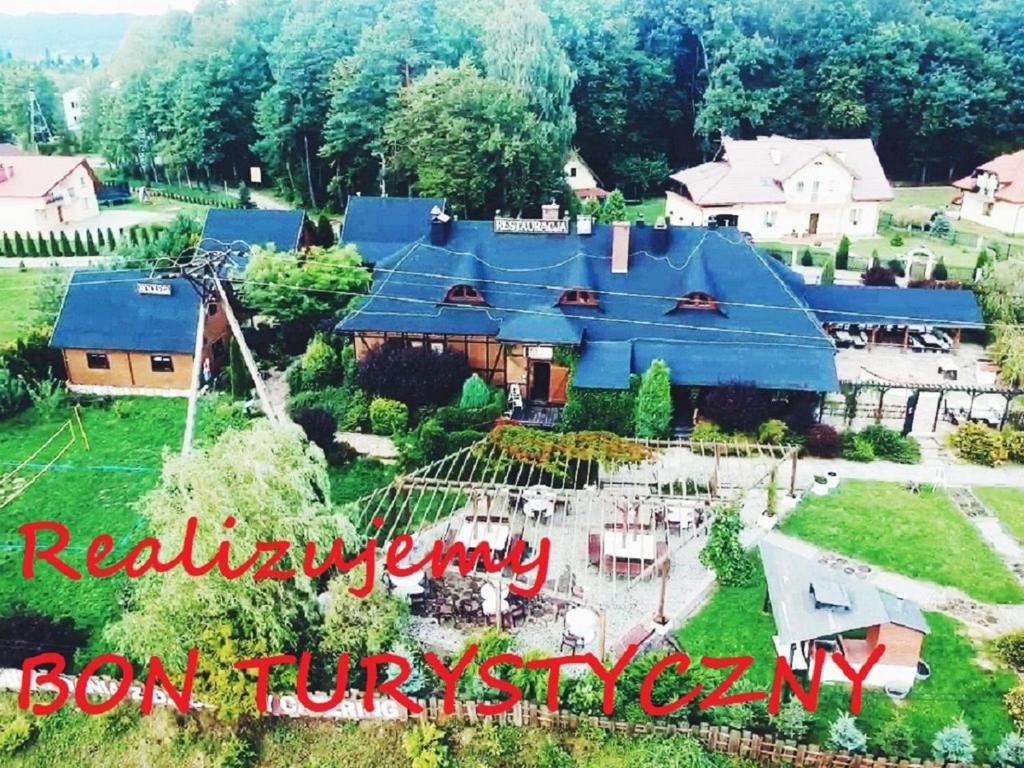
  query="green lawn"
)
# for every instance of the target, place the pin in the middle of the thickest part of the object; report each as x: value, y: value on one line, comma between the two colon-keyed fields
x: 1008, y: 505
x: 89, y: 491
x: 651, y: 208
x: 359, y: 478
x: 17, y: 292
x: 733, y: 623
x: 923, y: 536
x: 937, y: 198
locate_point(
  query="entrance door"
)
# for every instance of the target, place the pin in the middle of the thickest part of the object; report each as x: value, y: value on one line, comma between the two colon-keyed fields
x: 812, y: 226
x: 540, y: 381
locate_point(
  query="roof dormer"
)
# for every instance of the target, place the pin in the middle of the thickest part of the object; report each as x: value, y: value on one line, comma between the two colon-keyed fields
x: 698, y: 300
x: 578, y: 297
x: 464, y: 294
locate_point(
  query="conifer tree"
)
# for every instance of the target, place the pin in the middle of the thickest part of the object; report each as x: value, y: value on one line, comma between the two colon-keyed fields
x: 8, y: 246
x: 111, y: 242
x: 30, y: 247
x: 55, y: 249
x: 19, y: 245
x: 65, y: 245
x: 101, y: 241
x: 90, y: 244
x: 41, y: 245
x: 79, y: 245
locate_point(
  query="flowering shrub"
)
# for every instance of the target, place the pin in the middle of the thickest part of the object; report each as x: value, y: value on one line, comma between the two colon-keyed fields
x: 388, y: 417
x: 979, y: 444
x: 550, y: 451
x: 824, y: 441
x: 416, y: 376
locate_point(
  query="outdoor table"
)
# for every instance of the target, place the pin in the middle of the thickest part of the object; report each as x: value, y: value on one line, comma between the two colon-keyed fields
x: 629, y: 546
x: 540, y: 508
x: 487, y: 591
x: 581, y: 623
x: 679, y: 513
x: 407, y: 585
x: 490, y: 606
x: 472, y: 534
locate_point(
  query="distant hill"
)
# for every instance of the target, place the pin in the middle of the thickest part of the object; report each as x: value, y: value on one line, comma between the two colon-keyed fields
x: 64, y: 34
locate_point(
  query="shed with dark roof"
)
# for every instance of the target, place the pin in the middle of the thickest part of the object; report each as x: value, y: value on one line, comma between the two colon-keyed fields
x: 127, y: 331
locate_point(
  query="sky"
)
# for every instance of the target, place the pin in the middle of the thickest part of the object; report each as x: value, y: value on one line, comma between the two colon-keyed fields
x: 22, y: 7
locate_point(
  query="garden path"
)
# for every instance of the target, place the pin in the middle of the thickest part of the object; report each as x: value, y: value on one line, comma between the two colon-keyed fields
x: 932, y: 470
x: 984, y: 620
x: 374, y: 446
x: 991, y: 529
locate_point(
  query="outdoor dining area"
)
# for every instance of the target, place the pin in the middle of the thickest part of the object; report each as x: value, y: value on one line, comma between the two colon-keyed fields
x: 917, y: 338
x: 623, y: 545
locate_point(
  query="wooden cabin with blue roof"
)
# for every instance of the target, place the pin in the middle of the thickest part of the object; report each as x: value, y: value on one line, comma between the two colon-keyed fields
x: 510, y: 292
x: 132, y: 332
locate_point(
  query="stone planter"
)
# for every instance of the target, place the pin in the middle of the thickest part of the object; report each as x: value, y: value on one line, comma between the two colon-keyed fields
x: 820, y: 486
x: 832, y: 479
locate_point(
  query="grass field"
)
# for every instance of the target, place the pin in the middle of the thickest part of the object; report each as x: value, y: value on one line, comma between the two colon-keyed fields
x: 922, y: 536
x: 17, y: 292
x: 1008, y: 505
x: 651, y: 208
x: 90, y: 491
x: 734, y: 624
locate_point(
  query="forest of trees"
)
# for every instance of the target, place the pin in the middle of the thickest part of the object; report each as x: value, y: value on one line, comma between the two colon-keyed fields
x: 480, y: 99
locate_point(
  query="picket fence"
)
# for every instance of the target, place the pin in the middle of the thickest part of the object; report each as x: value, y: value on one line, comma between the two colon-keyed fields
x: 763, y: 749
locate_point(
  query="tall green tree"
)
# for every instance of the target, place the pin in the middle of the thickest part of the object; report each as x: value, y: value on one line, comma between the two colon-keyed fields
x: 654, y: 402
x: 475, y: 141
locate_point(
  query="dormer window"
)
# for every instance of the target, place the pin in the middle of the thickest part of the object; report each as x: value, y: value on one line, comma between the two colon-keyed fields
x: 578, y: 298
x: 697, y: 301
x: 464, y: 294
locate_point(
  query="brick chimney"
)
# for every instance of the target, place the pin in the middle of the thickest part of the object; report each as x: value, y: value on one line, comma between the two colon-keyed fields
x: 550, y: 211
x: 620, y: 247
x: 440, y: 223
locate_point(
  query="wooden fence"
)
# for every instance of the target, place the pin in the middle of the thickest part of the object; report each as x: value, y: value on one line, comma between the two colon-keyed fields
x: 716, y: 738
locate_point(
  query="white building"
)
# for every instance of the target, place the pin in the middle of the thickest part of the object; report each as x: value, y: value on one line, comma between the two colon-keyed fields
x: 39, y: 194
x: 581, y: 178
x: 72, y: 101
x: 994, y: 194
x: 774, y: 187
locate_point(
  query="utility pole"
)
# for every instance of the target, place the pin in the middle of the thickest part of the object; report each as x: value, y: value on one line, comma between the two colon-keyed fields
x: 39, y: 129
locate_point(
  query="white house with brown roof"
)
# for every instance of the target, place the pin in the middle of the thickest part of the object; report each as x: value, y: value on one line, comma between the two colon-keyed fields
x: 993, y: 195
x: 775, y: 187
x: 581, y: 178
x: 39, y: 194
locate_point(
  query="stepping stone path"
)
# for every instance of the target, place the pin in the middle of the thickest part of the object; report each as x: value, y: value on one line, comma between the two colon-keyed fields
x: 991, y: 529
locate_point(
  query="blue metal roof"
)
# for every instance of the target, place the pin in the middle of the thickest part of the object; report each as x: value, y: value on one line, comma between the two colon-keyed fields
x: 236, y: 230
x: 764, y: 320
x: 105, y: 311
x: 379, y: 226
x: 866, y: 305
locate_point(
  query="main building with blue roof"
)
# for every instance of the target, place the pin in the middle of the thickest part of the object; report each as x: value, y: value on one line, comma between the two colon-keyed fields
x: 716, y: 309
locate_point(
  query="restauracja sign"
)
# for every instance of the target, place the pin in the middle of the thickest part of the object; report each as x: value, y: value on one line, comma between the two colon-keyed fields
x: 504, y: 225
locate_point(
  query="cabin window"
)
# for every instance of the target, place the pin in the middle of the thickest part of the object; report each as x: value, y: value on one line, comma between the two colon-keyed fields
x: 986, y: 209
x: 437, y: 347
x: 578, y: 298
x: 212, y: 309
x: 97, y: 361
x: 464, y: 294
x: 697, y: 301
x: 770, y: 218
x: 572, y: 171
x: 219, y: 348
x: 161, y: 364
x: 799, y: 186
x: 855, y: 216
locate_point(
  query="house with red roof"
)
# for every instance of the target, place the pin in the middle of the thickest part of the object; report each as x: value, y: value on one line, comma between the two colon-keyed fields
x: 993, y: 195
x: 775, y: 187
x: 581, y: 178
x: 40, y: 194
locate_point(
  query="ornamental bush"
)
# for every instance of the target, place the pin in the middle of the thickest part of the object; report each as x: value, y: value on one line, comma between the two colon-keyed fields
x: 1010, y: 752
x: 14, y: 396
x: 954, y: 743
x: 806, y: 259
x: 475, y: 393
x: 1013, y: 439
x: 896, y: 738
x: 979, y: 444
x: 416, y: 376
x: 388, y: 417
x: 320, y: 365
x: 843, y: 253
x: 737, y: 407
x: 654, y: 402
x: 16, y: 733
x: 793, y: 721
x: 856, y: 448
x: 890, y: 445
x: 879, y: 276
x: 1010, y: 648
x: 772, y: 432
x: 1014, y: 701
x: 939, y: 271
x: 823, y: 441
x: 723, y: 552
x: 845, y: 736
x: 320, y: 427
x: 601, y: 410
